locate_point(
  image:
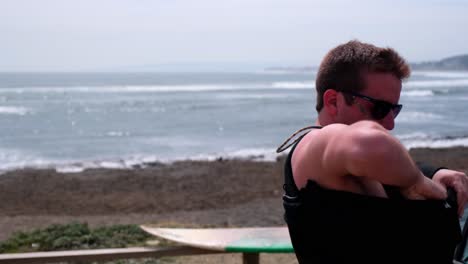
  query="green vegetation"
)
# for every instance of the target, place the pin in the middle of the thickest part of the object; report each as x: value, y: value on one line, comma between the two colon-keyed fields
x: 74, y: 236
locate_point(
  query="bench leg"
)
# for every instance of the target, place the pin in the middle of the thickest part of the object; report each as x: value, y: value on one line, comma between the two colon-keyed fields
x: 250, y: 258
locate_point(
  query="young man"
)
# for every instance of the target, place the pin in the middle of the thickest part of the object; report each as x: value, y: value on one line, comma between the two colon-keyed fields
x: 351, y: 187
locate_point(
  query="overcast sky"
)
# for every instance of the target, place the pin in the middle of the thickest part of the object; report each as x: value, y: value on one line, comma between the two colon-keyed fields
x: 84, y: 35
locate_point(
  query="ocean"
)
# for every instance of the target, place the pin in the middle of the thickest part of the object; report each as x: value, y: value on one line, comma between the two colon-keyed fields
x: 73, y: 121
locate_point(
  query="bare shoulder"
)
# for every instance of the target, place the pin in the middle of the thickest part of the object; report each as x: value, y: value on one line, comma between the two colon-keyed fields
x: 307, y: 159
x: 324, y: 155
x: 357, y: 140
x: 362, y: 130
x: 355, y: 134
x: 312, y: 146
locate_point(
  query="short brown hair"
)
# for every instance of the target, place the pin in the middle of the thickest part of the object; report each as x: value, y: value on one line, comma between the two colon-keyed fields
x: 343, y: 66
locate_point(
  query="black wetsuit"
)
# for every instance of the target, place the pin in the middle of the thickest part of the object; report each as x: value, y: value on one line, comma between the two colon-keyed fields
x: 329, y: 226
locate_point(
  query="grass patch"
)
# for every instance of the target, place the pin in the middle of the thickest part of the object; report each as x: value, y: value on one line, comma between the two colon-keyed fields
x: 74, y: 236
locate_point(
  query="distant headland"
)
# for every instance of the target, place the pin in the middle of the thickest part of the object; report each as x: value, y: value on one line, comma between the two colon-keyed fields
x: 454, y: 63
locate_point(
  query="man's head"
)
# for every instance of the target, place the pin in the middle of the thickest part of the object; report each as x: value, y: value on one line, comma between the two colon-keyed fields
x: 356, y: 73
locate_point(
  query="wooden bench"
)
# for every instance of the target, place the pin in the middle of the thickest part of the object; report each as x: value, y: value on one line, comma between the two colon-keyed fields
x: 250, y: 242
x: 100, y: 254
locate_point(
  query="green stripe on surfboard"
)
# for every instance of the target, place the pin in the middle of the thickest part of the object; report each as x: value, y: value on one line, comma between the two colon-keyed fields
x: 259, y: 245
x: 259, y: 241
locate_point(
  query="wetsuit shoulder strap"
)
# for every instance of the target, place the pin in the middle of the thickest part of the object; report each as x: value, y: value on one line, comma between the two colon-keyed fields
x: 296, y: 137
x: 289, y: 186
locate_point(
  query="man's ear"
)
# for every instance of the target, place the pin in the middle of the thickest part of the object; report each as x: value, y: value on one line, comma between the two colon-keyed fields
x: 330, y: 102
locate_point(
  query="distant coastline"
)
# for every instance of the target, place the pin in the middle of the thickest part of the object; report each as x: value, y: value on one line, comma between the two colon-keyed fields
x: 454, y: 63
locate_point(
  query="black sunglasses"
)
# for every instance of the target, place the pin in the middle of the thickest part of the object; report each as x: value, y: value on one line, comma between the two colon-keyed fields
x: 381, y: 108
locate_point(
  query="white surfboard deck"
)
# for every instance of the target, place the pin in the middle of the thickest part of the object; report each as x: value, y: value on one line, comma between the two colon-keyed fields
x: 251, y: 239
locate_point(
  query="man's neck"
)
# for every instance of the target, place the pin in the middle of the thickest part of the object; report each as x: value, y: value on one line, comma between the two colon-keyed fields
x: 323, y: 120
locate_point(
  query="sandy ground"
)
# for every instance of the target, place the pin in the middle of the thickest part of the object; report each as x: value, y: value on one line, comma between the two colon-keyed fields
x: 224, y: 193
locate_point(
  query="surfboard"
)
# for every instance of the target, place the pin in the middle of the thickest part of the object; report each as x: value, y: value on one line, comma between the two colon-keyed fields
x: 248, y: 239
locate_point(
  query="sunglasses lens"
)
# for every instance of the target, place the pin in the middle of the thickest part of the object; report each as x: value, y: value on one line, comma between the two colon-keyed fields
x: 380, y: 110
x: 396, y: 110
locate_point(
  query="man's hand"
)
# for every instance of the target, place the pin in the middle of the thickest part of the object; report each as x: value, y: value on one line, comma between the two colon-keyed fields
x: 458, y: 181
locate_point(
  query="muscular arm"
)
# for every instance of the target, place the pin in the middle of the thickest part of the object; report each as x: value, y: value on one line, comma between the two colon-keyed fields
x: 365, y: 149
x: 448, y: 178
x: 362, y: 150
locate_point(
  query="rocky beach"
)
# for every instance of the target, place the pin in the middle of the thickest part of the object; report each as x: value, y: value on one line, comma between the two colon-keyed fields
x: 221, y: 193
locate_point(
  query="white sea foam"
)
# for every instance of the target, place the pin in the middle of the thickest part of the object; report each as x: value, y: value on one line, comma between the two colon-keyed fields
x: 129, y: 89
x: 263, y: 154
x: 238, y: 96
x: 13, y: 110
x: 127, y: 163
x: 117, y: 133
x: 420, y: 139
x: 257, y: 154
x: 160, y: 88
x: 287, y: 85
x: 70, y: 168
x: 418, y: 116
x: 175, y: 141
x: 112, y: 165
x: 413, y: 136
x: 417, y: 93
x: 17, y: 159
x: 294, y: 85
x: 436, y: 83
x: 211, y: 87
x: 178, y: 88
x: 441, y: 74
x: 437, y: 143
x: 12, y: 159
